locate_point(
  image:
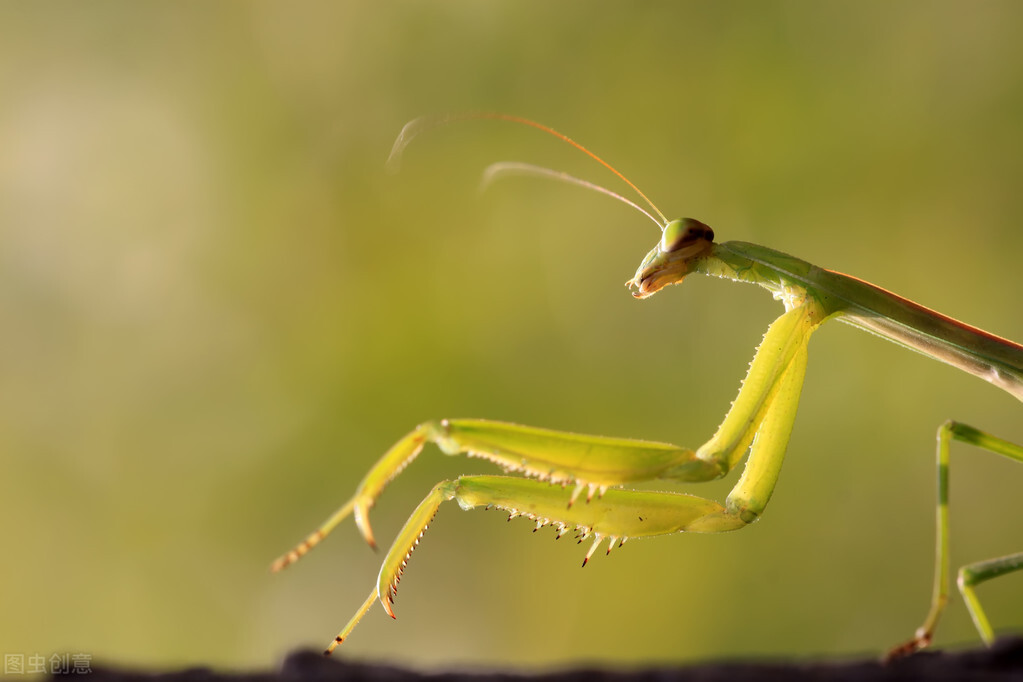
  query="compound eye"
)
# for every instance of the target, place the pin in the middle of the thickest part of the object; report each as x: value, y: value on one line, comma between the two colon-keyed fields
x: 683, y: 232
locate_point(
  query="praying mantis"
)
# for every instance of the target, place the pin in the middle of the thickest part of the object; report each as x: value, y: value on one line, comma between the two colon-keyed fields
x: 576, y: 482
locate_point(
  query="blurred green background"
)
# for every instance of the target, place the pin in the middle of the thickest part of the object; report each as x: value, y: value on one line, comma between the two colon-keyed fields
x: 218, y: 310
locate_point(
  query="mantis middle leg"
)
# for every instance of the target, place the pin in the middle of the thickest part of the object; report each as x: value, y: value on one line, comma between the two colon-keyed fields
x: 970, y: 575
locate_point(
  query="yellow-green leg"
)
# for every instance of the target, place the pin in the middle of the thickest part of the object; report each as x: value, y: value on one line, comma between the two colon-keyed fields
x: 972, y: 574
x: 590, y: 463
x: 594, y: 463
x: 559, y: 466
x: 614, y: 516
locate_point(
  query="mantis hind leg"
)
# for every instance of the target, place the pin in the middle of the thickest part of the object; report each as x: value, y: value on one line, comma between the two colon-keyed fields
x: 974, y: 574
x: 970, y: 575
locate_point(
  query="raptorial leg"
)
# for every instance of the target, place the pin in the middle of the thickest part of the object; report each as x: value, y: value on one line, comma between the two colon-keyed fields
x: 594, y: 463
x: 765, y: 408
x: 586, y: 463
x: 613, y: 517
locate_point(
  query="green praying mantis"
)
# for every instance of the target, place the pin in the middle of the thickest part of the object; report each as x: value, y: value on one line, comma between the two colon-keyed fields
x: 578, y: 482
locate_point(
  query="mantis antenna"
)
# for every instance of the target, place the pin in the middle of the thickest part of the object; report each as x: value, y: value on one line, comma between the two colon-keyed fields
x: 495, y: 170
x: 424, y: 123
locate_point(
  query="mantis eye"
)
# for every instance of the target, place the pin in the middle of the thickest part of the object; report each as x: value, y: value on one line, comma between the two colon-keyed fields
x: 683, y: 232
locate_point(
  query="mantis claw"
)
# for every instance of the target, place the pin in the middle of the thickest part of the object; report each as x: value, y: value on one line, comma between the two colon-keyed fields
x: 361, y: 515
x: 575, y: 492
x: 371, y: 487
x: 593, y: 548
x: 920, y: 641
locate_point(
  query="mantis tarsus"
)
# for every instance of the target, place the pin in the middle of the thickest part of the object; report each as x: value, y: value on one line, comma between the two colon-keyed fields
x: 575, y: 482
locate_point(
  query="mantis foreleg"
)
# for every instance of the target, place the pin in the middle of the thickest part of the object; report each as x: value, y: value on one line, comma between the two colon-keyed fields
x: 586, y: 462
x: 616, y: 516
x: 761, y: 416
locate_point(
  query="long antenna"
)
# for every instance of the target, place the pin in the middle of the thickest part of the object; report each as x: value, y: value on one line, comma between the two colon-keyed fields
x: 502, y: 168
x: 422, y: 124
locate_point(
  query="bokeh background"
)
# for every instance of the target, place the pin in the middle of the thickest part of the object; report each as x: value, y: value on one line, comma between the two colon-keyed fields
x: 218, y: 310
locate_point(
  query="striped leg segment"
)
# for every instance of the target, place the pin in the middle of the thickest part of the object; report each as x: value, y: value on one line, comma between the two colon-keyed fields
x: 973, y: 574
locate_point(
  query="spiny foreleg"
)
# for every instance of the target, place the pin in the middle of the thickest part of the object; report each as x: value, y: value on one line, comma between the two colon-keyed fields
x: 583, y: 462
x: 615, y: 516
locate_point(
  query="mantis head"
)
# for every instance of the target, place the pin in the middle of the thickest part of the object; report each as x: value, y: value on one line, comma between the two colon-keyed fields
x: 683, y: 242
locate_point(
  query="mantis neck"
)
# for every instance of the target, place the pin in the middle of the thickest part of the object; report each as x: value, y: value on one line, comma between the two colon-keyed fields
x: 861, y: 304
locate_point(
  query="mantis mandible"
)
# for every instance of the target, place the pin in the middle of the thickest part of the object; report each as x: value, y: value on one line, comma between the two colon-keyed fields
x: 577, y: 482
